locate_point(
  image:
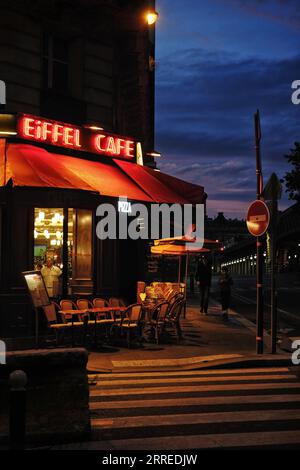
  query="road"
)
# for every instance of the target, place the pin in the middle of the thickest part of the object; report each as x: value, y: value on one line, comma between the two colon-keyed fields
x: 198, y: 409
x: 244, y: 301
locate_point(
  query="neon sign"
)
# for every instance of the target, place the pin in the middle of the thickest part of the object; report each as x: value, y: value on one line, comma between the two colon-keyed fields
x: 87, y: 139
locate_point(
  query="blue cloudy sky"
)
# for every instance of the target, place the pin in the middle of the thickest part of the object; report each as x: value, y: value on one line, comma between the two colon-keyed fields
x: 217, y: 62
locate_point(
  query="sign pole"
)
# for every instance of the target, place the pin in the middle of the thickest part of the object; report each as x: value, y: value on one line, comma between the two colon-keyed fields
x: 259, y: 247
x: 272, y: 193
x: 36, y: 327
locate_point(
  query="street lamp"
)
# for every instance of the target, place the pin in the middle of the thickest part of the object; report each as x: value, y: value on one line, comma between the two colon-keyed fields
x: 152, y: 17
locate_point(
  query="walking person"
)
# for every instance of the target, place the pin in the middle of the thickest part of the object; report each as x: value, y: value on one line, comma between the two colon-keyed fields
x: 203, y: 279
x: 225, y: 283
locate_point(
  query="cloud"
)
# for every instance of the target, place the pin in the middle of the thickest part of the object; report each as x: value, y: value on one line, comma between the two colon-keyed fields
x: 284, y: 12
x: 205, y: 107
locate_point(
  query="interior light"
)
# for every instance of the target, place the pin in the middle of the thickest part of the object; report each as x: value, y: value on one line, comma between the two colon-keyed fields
x: 41, y: 216
x: 53, y: 242
x: 58, y: 234
x: 47, y: 234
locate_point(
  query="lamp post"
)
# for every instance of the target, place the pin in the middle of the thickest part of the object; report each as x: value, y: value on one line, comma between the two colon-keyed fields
x: 151, y: 17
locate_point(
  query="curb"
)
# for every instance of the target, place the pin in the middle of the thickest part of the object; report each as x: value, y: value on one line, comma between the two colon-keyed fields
x: 220, y: 361
x: 241, y: 362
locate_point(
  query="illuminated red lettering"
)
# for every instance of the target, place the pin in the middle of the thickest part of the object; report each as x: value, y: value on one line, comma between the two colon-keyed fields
x: 114, y: 146
x: 28, y: 127
x: 130, y: 148
x: 66, y: 135
x: 110, y: 146
x: 51, y: 132
x: 98, y: 142
x: 57, y: 133
x: 46, y: 130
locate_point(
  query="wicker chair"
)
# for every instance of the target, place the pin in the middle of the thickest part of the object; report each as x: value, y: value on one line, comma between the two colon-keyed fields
x: 158, y: 318
x: 172, y: 318
x: 131, y: 321
x: 54, y: 325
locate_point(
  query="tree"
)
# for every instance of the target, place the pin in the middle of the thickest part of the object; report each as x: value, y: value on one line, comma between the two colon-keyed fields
x: 292, y: 178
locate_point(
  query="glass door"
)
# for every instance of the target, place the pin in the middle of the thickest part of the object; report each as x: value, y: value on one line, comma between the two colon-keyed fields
x: 63, y: 250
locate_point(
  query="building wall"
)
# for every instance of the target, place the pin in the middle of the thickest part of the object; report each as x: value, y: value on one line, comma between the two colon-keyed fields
x: 109, y: 79
x: 109, y: 83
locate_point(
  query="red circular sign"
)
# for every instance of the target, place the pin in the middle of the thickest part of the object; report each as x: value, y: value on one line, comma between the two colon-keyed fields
x: 258, y: 218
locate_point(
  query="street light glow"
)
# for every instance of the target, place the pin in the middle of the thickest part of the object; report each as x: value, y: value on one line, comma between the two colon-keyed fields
x: 152, y: 17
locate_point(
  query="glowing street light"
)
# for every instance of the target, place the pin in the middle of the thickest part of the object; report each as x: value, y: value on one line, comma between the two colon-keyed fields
x: 152, y: 17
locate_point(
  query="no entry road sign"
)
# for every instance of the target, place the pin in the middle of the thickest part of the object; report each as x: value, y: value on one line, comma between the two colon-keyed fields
x: 258, y: 218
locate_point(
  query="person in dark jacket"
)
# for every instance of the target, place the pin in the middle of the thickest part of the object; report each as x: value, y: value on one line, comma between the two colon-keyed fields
x: 225, y: 283
x: 203, y: 278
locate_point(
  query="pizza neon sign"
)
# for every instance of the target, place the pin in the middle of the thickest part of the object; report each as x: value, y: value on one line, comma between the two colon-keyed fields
x: 75, y: 137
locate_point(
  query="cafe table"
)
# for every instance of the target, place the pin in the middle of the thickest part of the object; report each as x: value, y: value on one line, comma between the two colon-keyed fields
x: 72, y: 313
x: 100, y: 310
x: 97, y: 310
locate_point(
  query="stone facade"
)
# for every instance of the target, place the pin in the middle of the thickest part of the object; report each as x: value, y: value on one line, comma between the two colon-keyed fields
x: 81, y: 62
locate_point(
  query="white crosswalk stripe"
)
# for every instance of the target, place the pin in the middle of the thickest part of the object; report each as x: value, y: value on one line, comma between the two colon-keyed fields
x: 236, y: 408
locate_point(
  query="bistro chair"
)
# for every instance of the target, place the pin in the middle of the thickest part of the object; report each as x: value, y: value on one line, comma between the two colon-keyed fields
x: 131, y: 321
x: 67, y: 304
x: 60, y: 317
x: 84, y: 304
x: 103, y: 320
x: 171, y: 300
x: 169, y: 294
x: 54, y: 325
x: 116, y: 302
x: 172, y: 318
x: 157, y: 320
x: 81, y: 319
x: 98, y: 302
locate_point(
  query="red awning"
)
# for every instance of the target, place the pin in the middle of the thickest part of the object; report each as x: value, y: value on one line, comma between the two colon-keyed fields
x: 162, y: 187
x: 28, y: 165
x: 32, y: 166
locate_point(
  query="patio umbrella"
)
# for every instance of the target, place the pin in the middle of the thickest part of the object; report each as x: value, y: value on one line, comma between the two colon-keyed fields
x: 168, y: 249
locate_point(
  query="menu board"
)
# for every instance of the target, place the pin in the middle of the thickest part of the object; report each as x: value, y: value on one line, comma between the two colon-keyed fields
x: 36, y: 288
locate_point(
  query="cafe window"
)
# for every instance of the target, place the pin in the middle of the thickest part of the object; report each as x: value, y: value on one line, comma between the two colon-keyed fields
x: 74, y: 258
x: 55, y: 63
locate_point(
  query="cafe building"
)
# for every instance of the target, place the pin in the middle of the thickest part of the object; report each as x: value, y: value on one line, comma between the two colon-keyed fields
x: 54, y: 175
x: 76, y: 130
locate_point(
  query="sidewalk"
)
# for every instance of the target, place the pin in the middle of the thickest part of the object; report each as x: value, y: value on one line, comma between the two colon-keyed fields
x: 206, y: 339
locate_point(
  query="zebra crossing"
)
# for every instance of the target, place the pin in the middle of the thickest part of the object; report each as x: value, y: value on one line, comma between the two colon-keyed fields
x: 196, y: 409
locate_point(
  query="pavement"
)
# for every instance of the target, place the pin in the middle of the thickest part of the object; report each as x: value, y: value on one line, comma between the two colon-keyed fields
x: 208, y: 341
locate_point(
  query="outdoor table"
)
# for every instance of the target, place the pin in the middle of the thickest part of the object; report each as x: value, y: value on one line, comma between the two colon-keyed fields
x: 72, y: 313
x: 103, y: 310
